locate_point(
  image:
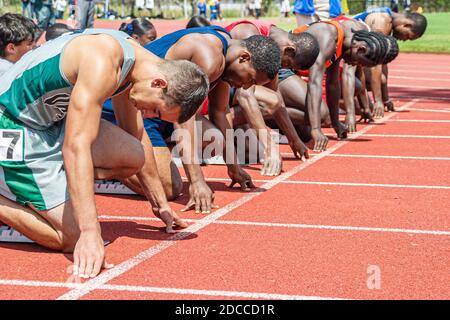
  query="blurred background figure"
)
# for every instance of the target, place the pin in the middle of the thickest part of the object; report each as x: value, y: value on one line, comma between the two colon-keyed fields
x: 258, y: 9
x: 285, y: 8
x: 201, y: 5
x: 309, y: 11
x: 406, y: 5
x: 60, y: 6
x: 26, y: 8
x: 150, y: 5
x: 212, y: 10
x: 219, y: 10
x: 84, y: 13
x: 45, y: 15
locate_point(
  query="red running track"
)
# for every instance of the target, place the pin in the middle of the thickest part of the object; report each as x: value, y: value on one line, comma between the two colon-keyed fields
x: 379, y: 201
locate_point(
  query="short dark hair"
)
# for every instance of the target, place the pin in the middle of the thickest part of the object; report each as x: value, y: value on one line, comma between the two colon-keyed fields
x: 265, y: 54
x: 377, y: 45
x: 137, y: 26
x: 197, y: 21
x: 392, y: 51
x: 419, y: 23
x: 15, y: 28
x: 306, y: 49
x: 187, y: 86
x: 57, y: 30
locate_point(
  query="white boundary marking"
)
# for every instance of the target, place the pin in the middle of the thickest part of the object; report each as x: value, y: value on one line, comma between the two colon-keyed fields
x: 376, y: 185
x: 345, y: 184
x: 420, y: 121
x: 294, y: 225
x: 418, y: 87
x: 420, y: 97
x: 375, y: 156
x: 431, y: 110
x: 402, y: 71
x: 182, y: 291
x: 406, y: 136
x: 387, y: 157
x: 152, y: 251
x: 418, y: 78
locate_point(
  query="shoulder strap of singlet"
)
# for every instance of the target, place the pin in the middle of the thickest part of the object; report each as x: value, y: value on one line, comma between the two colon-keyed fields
x: 162, y: 45
x: 128, y: 50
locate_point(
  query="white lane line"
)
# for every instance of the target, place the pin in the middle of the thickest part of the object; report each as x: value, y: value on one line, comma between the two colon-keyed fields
x: 295, y: 225
x: 408, y: 71
x: 375, y: 156
x: 418, y: 87
x: 418, y: 78
x: 152, y: 251
x: 375, y: 185
x: 343, y: 184
x: 406, y: 136
x: 420, y: 121
x: 431, y: 110
x: 181, y: 291
x: 424, y: 68
x: 420, y: 97
x: 388, y: 157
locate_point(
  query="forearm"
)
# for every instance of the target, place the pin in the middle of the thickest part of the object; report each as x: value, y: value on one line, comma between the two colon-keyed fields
x: 189, y: 146
x: 348, y: 91
x: 363, y: 97
x: 375, y: 84
x: 384, y: 84
x: 333, y: 94
x: 79, y: 170
x: 313, y: 101
x: 219, y: 118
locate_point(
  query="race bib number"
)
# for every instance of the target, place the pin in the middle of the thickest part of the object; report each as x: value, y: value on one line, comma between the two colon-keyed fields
x: 11, y: 145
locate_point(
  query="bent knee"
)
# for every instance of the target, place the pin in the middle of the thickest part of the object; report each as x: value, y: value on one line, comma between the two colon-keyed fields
x: 383, y: 79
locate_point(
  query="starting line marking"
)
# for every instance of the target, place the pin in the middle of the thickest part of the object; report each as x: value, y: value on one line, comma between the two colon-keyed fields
x: 182, y: 291
x: 294, y: 225
x: 345, y: 184
x: 406, y: 136
x: 420, y: 121
x: 431, y: 110
x: 375, y: 156
x: 125, y: 266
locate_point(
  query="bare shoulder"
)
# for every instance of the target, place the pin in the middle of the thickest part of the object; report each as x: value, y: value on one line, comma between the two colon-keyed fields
x: 326, y: 35
x: 380, y: 22
x: 244, y: 31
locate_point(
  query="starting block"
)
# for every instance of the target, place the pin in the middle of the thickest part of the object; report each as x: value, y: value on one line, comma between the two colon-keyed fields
x: 112, y: 187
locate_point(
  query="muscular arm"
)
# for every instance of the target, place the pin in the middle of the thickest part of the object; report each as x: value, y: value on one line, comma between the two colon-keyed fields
x: 218, y: 114
x: 333, y: 93
x: 348, y: 91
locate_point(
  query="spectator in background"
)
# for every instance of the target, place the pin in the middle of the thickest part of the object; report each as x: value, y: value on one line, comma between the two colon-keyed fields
x: 45, y: 15
x: 219, y: 10
x: 85, y: 13
x: 150, y: 5
x: 309, y: 11
x: 285, y: 8
x: 140, y: 4
x: 26, y: 8
x: 406, y: 5
x: 212, y: 10
x: 257, y: 9
x: 140, y: 29
x: 60, y: 6
x: 17, y: 37
x: 201, y: 5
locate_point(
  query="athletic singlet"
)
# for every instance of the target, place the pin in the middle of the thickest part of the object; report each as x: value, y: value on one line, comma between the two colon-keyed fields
x: 161, y: 46
x: 339, y: 43
x: 263, y: 27
x: 347, y: 18
x: 36, y: 92
x: 363, y: 15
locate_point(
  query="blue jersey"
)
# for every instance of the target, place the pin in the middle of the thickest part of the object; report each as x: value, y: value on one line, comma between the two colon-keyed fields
x: 201, y: 7
x: 363, y: 15
x: 161, y: 46
x: 309, y: 8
